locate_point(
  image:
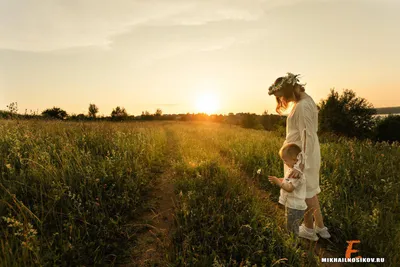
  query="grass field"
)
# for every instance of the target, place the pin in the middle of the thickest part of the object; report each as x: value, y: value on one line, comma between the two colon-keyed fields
x: 75, y: 194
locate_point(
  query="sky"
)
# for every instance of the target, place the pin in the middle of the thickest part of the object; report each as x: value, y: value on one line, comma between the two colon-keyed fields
x: 182, y: 56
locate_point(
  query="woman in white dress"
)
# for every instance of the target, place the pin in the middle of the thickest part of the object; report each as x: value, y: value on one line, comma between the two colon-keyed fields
x: 301, y: 129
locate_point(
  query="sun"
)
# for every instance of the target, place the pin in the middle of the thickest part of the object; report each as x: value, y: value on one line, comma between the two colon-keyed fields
x: 207, y: 102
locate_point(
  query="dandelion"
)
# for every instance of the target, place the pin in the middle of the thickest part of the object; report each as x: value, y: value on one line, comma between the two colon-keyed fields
x: 258, y: 171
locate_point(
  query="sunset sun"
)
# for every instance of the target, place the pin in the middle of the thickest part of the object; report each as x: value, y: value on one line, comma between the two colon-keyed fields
x: 207, y: 102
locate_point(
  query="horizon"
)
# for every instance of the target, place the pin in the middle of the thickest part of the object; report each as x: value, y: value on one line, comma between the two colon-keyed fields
x: 100, y: 115
x: 194, y: 56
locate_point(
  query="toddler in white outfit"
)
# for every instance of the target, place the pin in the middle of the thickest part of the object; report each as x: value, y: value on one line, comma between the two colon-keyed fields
x: 293, y: 190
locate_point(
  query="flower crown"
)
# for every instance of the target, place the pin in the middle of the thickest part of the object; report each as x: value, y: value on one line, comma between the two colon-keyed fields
x: 290, y: 78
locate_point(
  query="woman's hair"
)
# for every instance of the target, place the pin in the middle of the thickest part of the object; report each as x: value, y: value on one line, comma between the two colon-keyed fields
x: 288, y: 94
x: 290, y: 149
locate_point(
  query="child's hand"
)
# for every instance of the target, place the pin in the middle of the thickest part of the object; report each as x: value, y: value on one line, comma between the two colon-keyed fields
x: 273, y: 179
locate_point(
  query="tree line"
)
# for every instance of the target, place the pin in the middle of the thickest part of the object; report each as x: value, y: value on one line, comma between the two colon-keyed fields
x: 339, y: 115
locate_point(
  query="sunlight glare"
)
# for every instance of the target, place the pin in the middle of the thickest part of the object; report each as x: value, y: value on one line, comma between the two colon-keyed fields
x: 207, y: 102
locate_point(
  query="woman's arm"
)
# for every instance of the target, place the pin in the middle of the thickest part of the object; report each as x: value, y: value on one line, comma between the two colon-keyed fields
x: 305, y: 126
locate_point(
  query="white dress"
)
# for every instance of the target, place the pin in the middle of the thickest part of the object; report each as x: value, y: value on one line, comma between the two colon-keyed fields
x: 301, y: 129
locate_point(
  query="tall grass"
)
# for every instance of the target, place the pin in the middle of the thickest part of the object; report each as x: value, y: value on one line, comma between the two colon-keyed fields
x: 359, y: 181
x: 68, y: 190
x: 220, y: 222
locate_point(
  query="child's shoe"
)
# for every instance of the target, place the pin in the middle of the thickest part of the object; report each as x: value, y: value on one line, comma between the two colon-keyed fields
x: 307, y: 233
x: 323, y: 232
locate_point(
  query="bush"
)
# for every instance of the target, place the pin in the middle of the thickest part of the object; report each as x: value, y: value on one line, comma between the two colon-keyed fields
x: 270, y: 122
x: 251, y: 121
x: 119, y: 114
x: 388, y: 129
x: 346, y: 115
x: 55, y: 113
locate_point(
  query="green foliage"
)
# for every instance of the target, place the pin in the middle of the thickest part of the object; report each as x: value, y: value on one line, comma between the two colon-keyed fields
x: 359, y: 183
x: 158, y: 113
x: 55, y: 113
x: 388, y: 129
x: 358, y: 179
x: 270, y: 122
x: 93, y: 110
x: 251, y: 121
x: 346, y: 115
x: 119, y: 114
x: 13, y: 108
x: 71, y: 190
x: 219, y: 219
x: 146, y: 115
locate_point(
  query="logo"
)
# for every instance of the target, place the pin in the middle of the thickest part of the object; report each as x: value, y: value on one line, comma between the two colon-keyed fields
x: 350, y: 249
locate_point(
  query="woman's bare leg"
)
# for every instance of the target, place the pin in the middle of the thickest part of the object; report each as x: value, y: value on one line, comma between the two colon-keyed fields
x: 308, y: 215
x: 313, y: 210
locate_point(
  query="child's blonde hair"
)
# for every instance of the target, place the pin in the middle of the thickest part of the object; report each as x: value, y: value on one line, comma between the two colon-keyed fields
x: 290, y: 149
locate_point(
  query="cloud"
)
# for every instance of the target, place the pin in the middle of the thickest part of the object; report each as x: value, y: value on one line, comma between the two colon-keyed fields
x: 27, y: 25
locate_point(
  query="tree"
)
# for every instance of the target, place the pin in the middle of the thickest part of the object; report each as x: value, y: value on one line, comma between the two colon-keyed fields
x: 119, y: 114
x: 251, y: 121
x: 388, y: 129
x: 272, y: 122
x: 13, y: 108
x: 55, y: 113
x: 146, y: 115
x: 158, y: 113
x: 346, y: 115
x: 93, y: 110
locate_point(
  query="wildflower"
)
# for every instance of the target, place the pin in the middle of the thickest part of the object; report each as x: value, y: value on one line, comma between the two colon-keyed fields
x: 8, y: 166
x: 258, y: 171
x: 382, y: 155
x: 97, y: 180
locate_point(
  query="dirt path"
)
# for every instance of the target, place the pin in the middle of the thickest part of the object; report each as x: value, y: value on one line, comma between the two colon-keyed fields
x: 154, y: 243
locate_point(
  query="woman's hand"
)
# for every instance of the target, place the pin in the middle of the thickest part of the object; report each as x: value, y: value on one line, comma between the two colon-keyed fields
x: 274, y: 180
x: 295, y: 173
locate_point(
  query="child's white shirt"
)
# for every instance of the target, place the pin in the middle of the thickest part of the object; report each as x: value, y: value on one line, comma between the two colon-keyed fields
x: 297, y: 198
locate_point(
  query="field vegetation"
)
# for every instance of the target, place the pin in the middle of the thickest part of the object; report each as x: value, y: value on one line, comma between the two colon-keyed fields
x: 70, y: 192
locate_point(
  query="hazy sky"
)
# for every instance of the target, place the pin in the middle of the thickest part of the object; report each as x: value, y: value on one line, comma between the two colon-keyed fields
x: 151, y: 54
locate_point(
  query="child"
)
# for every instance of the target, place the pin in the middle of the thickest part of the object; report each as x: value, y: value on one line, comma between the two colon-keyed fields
x: 293, y: 190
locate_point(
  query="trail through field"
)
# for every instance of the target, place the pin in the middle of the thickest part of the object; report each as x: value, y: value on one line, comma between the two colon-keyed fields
x: 154, y: 243
x: 272, y: 208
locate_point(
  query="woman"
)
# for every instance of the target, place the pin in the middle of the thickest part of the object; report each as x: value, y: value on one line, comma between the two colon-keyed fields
x: 301, y: 129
